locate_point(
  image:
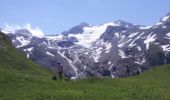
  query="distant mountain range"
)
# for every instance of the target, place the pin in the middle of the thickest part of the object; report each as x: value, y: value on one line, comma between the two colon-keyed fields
x: 110, y: 49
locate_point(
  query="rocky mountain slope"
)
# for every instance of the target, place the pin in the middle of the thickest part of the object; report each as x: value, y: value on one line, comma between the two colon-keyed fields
x: 115, y: 49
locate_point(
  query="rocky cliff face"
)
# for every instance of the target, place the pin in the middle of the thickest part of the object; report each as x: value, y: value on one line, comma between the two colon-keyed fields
x: 115, y: 49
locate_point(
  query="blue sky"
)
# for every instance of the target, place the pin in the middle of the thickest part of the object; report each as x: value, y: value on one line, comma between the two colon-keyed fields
x: 55, y: 16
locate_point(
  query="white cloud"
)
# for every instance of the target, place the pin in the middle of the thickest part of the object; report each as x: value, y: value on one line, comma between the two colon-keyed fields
x: 35, y: 31
x: 12, y: 28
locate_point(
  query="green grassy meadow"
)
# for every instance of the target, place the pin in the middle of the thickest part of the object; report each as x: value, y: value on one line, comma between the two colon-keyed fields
x: 21, y: 79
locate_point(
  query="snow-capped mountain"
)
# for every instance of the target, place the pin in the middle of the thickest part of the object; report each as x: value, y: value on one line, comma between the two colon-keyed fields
x: 102, y: 50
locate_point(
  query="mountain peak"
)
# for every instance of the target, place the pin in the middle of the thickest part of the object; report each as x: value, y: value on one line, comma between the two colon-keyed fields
x: 168, y: 14
x: 76, y: 29
x: 84, y: 24
x: 121, y: 21
x: 125, y: 24
x: 166, y: 18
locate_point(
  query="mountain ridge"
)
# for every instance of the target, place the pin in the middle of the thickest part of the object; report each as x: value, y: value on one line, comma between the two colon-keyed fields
x: 98, y: 50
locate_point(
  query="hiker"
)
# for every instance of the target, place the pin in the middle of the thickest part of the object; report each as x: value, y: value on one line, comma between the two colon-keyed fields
x: 138, y: 71
x: 114, y: 73
x: 127, y: 70
x: 60, y: 70
x: 114, y: 67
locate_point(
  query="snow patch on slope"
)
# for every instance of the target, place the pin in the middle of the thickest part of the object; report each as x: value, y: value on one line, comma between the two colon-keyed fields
x: 166, y: 47
x: 50, y: 54
x: 139, y: 48
x: 132, y: 35
x: 117, y: 35
x: 108, y: 47
x: 22, y: 41
x: 133, y: 42
x: 159, y: 23
x: 97, y: 54
x: 140, y: 62
x: 150, y: 38
x: 122, y: 54
x: 168, y: 34
x: 90, y: 34
x: 165, y: 18
x: 123, y: 42
x: 28, y: 55
x: 29, y: 49
x: 145, y: 27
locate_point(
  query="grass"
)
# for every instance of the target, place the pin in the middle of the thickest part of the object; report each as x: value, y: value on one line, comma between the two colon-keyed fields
x: 21, y: 79
x: 152, y: 85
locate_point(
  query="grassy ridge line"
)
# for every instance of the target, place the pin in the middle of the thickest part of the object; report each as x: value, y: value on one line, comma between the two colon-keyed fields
x: 12, y: 59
